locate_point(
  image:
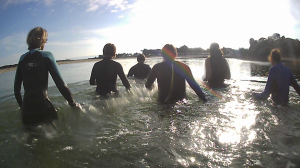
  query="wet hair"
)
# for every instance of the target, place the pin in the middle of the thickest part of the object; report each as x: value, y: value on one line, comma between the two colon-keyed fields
x: 141, y: 58
x: 275, y: 55
x: 215, y: 51
x: 169, y: 51
x: 36, y: 38
x: 109, y: 50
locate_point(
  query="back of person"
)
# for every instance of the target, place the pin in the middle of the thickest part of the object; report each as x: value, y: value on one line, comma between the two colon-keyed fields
x: 34, y: 67
x: 140, y: 71
x: 105, y: 72
x: 169, y: 90
x: 171, y: 76
x: 33, y: 71
x: 281, y: 84
x: 216, y: 67
x: 279, y: 80
x: 219, y: 69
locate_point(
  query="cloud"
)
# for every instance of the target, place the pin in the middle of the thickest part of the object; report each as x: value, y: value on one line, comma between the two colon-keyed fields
x: 13, y: 42
x: 6, y: 3
x: 94, y: 5
x: 114, y: 11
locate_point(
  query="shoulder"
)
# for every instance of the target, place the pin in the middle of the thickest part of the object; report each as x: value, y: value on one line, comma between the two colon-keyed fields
x: 116, y: 64
x: 273, y: 69
x: 46, y: 54
x: 158, y: 65
x: 182, y: 64
x: 23, y: 56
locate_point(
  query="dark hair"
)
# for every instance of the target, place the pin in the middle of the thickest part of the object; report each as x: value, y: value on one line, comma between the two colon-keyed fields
x: 109, y: 50
x: 215, y: 51
x: 169, y: 51
x: 141, y: 58
x: 275, y: 55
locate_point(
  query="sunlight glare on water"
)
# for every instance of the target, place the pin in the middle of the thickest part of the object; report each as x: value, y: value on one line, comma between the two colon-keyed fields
x: 132, y: 130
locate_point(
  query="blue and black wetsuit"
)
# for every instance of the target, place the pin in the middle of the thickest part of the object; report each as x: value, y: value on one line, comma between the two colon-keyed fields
x: 33, y: 70
x: 171, y: 79
x: 139, y: 71
x: 104, y: 75
x: 279, y: 80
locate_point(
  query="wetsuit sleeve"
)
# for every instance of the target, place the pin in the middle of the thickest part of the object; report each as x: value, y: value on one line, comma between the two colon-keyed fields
x: 93, y: 76
x: 227, y: 73
x: 123, y: 77
x: 149, y: 70
x: 272, y: 76
x: 151, y: 78
x: 207, y: 70
x: 17, y: 86
x: 62, y: 87
x: 295, y: 84
x: 131, y: 71
x: 194, y: 85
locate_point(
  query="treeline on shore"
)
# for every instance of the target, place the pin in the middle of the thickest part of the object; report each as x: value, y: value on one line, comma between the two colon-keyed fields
x: 260, y: 49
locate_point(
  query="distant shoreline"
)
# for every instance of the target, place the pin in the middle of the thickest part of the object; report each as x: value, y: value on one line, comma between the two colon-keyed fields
x: 8, y: 68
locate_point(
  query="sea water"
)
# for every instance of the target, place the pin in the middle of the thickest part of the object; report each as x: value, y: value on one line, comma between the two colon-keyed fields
x: 132, y: 130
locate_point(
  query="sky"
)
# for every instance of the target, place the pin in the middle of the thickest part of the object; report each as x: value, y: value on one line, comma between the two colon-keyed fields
x: 79, y: 28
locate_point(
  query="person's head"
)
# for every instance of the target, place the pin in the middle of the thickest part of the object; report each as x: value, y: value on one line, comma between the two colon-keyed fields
x: 141, y: 58
x: 109, y: 50
x: 37, y: 38
x: 169, y: 52
x: 275, y: 56
x: 215, y: 51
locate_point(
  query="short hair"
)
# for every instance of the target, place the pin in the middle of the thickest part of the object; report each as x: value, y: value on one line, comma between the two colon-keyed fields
x: 169, y: 51
x: 36, y: 38
x: 109, y: 50
x: 141, y: 58
x: 275, y: 55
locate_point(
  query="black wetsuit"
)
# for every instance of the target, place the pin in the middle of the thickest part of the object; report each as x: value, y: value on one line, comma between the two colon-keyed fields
x: 104, y: 75
x: 139, y: 71
x: 170, y: 92
x: 33, y: 70
x: 219, y: 69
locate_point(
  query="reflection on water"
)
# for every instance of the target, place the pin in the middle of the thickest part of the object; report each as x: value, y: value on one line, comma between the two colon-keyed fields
x: 132, y: 130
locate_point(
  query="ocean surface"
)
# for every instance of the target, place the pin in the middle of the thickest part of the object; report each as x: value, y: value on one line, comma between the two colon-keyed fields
x: 133, y: 131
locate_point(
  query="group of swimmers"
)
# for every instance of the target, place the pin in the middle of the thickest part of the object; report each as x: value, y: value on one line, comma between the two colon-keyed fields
x: 34, y: 67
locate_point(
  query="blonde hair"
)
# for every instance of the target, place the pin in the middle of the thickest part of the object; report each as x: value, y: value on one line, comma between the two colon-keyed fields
x: 36, y: 38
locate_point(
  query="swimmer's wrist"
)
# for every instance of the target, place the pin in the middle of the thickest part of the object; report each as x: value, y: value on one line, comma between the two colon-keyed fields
x: 72, y: 104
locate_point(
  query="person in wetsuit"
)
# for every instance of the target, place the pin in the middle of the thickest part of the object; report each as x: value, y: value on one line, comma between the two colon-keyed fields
x: 279, y: 80
x: 140, y: 70
x: 171, y: 76
x: 216, y: 67
x: 104, y: 73
x: 33, y: 71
